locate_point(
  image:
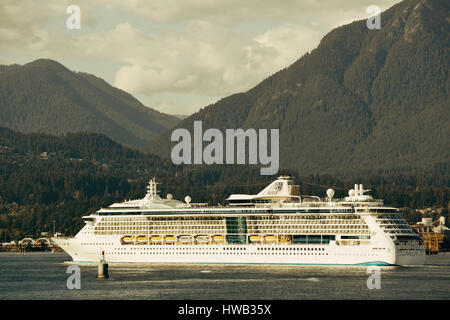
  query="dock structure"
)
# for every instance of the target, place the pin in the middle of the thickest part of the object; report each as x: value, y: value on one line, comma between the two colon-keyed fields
x: 432, y: 241
x: 432, y: 233
x: 29, y: 244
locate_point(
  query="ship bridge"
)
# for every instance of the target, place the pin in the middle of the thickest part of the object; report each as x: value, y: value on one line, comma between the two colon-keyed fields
x: 282, y: 189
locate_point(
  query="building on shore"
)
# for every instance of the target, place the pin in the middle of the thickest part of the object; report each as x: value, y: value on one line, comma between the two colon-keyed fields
x: 432, y: 233
x: 29, y: 244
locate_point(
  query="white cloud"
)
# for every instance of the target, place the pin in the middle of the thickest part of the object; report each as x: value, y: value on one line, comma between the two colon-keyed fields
x: 289, y: 42
x: 211, y: 59
x: 21, y: 21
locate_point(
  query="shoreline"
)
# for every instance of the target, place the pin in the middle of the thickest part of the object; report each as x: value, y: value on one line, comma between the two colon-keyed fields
x: 29, y: 249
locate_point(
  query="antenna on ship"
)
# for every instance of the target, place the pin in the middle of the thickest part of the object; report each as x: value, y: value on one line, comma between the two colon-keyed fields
x: 152, y: 192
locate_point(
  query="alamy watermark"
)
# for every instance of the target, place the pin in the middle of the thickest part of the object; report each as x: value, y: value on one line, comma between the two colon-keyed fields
x: 213, y: 153
x: 374, y: 22
x: 74, y: 280
x: 74, y: 20
x: 374, y: 280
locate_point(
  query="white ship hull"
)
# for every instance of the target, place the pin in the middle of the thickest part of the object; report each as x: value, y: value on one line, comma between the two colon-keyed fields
x: 330, y: 254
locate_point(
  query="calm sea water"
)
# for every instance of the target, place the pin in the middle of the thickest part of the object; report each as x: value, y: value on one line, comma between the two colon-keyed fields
x: 43, y: 275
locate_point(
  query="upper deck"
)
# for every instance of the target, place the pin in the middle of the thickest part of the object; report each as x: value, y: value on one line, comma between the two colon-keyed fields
x: 280, y: 197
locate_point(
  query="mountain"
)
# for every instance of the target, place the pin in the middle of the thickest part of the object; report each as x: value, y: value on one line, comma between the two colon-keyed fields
x: 363, y: 102
x: 44, y: 96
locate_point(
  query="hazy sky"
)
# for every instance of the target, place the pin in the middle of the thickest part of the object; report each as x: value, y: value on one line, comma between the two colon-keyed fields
x: 175, y: 56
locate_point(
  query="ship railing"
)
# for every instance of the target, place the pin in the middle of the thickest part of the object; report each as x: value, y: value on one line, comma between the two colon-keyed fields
x: 192, y: 205
x: 63, y: 237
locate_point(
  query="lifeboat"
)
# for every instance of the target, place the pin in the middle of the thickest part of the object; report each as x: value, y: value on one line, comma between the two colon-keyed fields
x: 155, y: 239
x: 127, y: 240
x: 284, y: 239
x: 218, y: 239
x: 185, y: 239
x: 270, y: 238
x: 202, y: 239
x: 255, y: 238
x: 170, y: 239
x: 142, y: 239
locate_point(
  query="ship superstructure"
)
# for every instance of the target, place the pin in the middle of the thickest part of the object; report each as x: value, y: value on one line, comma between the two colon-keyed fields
x: 275, y: 226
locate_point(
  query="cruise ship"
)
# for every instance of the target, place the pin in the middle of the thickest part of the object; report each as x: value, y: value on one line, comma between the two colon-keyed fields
x: 276, y: 226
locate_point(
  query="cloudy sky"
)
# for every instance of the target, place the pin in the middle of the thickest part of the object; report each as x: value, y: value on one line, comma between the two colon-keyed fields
x: 175, y: 56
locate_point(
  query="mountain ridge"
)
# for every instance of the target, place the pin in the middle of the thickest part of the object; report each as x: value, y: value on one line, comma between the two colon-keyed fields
x: 362, y: 101
x: 45, y: 96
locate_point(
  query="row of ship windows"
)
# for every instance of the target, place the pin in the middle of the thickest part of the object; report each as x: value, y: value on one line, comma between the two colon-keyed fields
x: 398, y: 218
x: 330, y: 221
x: 304, y: 217
x: 236, y: 248
x: 389, y: 223
x: 233, y: 252
x: 396, y: 227
x: 139, y: 232
x: 286, y: 227
x: 302, y: 213
x: 221, y: 219
x: 249, y: 230
x: 381, y: 222
x: 311, y: 227
x: 401, y: 232
x: 149, y: 214
x: 240, y: 231
x: 290, y: 248
x: 97, y: 244
x: 388, y: 217
x: 158, y: 226
x: 222, y: 223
